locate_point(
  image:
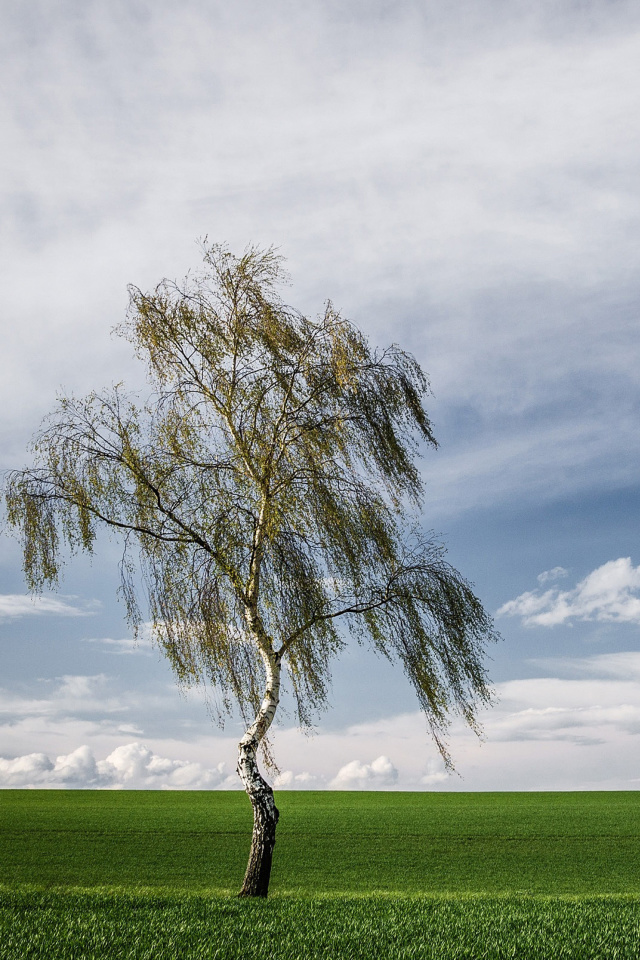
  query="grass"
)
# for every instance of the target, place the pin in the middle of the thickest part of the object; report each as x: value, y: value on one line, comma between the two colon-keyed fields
x: 145, y: 874
x: 410, y: 843
x: 40, y: 926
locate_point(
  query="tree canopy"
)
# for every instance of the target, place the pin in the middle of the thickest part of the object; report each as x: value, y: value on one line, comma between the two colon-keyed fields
x: 268, y: 493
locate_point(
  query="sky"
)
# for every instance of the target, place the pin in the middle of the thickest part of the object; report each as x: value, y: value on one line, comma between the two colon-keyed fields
x: 460, y: 178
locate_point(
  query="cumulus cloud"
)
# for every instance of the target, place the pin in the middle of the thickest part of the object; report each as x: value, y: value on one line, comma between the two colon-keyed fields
x: 54, y: 715
x: 131, y: 766
x: 15, y: 605
x: 288, y: 780
x: 574, y: 727
x: 135, y: 765
x: 365, y: 776
x: 609, y: 593
x: 27, y: 771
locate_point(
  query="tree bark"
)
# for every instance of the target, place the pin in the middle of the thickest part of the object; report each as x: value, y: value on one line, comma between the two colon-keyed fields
x: 265, y: 812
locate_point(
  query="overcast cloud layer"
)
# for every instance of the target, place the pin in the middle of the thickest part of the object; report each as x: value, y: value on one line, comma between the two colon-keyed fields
x: 459, y: 177
x: 465, y: 177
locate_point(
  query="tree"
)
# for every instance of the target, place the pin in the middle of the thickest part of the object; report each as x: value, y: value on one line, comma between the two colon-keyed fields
x: 263, y: 492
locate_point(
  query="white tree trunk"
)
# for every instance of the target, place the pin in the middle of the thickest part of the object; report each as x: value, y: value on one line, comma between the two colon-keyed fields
x: 265, y: 812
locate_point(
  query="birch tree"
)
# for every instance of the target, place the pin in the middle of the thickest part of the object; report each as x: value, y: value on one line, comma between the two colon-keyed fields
x: 268, y: 498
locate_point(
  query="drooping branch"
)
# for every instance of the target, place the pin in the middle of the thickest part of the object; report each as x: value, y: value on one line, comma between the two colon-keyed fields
x: 265, y: 485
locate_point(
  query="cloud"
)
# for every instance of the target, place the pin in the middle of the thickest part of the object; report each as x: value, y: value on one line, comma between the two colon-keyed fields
x: 124, y: 645
x: 598, y: 704
x: 436, y: 773
x: 131, y: 766
x: 483, y: 195
x: 609, y: 593
x: 15, y: 605
x: 556, y: 574
x: 533, y: 456
x: 58, y: 713
x: 72, y: 695
x: 27, y: 771
x: 288, y: 780
x: 623, y: 665
x: 74, y: 687
x: 575, y: 727
x: 552, y: 710
x: 76, y: 768
x: 135, y: 765
x: 365, y: 776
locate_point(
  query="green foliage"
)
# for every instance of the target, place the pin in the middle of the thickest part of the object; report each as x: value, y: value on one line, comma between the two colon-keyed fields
x: 264, y: 491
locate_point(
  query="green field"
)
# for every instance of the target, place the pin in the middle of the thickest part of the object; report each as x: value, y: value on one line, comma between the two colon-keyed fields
x: 153, y: 875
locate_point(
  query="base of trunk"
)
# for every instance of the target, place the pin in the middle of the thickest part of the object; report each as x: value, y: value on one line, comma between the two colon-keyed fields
x: 265, y: 820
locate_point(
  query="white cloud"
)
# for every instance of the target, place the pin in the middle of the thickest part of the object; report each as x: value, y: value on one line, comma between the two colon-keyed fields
x: 576, y: 727
x: 135, y: 765
x: 74, y: 687
x: 15, y: 605
x: 76, y: 768
x: 556, y: 574
x: 288, y: 780
x: 484, y: 150
x: 365, y: 776
x: 26, y: 771
x: 551, y: 709
x: 124, y: 645
x: 624, y: 665
x: 436, y: 773
x: 67, y: 695
x: 609, y: 593
x: 131, y: 766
